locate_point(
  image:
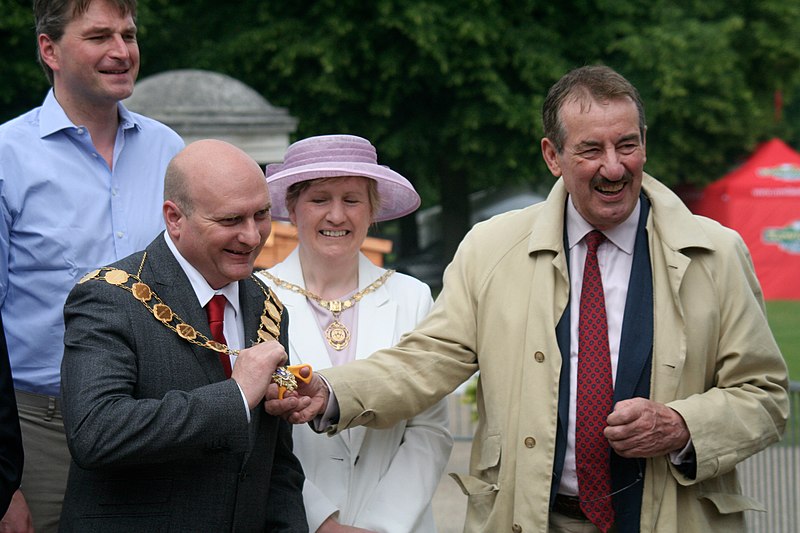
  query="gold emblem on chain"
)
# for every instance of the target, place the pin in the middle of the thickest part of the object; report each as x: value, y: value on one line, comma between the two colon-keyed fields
x: 268, y: 328
x: 337, y: 334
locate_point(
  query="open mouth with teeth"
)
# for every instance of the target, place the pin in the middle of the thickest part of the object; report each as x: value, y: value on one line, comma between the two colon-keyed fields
x: 610, y: 188
x: 332, y: 233
x: 238, y: 253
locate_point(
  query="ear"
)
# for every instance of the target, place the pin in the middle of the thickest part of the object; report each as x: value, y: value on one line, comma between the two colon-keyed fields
x: 550, y: 155
x: 644, y: 144
x: 48, y: 50
x: 173, y: 219
x: 293, y: 218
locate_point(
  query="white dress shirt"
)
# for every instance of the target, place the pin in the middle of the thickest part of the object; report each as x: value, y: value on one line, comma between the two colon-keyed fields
x: 615, y: 258
x: 232, y: 325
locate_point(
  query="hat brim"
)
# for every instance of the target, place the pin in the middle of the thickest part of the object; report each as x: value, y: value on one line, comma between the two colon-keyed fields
x: 397, y: 196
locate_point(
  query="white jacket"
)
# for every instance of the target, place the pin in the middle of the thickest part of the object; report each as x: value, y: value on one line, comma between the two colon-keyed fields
x: 383, y: 480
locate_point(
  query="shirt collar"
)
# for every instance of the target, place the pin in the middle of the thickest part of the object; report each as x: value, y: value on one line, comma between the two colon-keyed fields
x: 52, y: 117
x: 200, y: 286
x: 623, y: 235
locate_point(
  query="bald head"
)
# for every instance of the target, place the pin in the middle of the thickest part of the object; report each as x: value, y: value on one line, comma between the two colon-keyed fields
x: 201, y: 164
x: 216, y: 209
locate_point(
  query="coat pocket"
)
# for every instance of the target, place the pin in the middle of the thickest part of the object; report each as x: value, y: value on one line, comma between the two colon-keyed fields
x: 727, y: 503
x: 725, y: 493
x: 482, y: 491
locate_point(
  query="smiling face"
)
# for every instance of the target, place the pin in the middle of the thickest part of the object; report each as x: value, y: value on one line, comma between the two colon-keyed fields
x: 226, y: 221
x: 332, y: 217
x: 602, y: 159
x: 96, y: 61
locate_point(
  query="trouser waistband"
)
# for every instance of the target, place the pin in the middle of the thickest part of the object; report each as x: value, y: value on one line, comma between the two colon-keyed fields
x: 569, y: 506
x: 39, y: 401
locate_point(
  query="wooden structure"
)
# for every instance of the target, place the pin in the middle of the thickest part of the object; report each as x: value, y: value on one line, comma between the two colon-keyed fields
x: 283, y: 240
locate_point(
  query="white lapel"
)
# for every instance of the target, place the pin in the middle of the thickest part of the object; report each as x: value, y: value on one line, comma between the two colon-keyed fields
x: 308, y: 347
x: 377, y: 314
x: 377, y: 317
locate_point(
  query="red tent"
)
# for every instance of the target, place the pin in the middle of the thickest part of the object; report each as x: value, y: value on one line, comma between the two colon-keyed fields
x: 761, y: 200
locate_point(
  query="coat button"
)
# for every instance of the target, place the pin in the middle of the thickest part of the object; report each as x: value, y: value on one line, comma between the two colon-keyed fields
x: 516, y: 528
x: 539, y: 356
x: 530, y: 442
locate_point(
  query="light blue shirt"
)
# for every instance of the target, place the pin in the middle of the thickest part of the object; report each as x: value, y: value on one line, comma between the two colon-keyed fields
x: 63, y: 213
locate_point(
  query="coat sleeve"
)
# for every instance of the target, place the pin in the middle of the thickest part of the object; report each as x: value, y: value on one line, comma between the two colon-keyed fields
x: 743, y: 406
x: 107, y: 418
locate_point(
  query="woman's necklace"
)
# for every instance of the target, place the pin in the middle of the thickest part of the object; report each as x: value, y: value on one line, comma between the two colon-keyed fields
x: 337, y: 334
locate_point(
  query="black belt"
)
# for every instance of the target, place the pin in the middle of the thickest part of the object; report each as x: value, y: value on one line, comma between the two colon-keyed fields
x: 569, y: 506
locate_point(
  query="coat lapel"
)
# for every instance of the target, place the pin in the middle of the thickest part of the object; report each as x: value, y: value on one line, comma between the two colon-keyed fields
x: 375, y: 311
x: 173, y: 287
x: 636, y: 341
x: 304, y: 349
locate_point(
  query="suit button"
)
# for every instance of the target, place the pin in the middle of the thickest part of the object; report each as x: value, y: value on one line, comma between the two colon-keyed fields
x: 516, y: 528
x: 530, y: 442
x: 539, y: 356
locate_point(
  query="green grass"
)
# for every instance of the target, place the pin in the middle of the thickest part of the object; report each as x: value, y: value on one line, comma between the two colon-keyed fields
x: 784, y: 319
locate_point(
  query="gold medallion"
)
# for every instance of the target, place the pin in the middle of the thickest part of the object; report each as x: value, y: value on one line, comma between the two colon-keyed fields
x: 337, y: 335
x: 162, y: 312
x: 284, y: 378
x: 272, y: 310
x: 116, y: 277
x: 185, y: 331
x: 216, y: 346
x: 141, y: 291
x: 273, y: 329
x: 90, y: 275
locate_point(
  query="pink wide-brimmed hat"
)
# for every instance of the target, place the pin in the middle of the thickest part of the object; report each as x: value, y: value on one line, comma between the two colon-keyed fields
x: 332, y: 156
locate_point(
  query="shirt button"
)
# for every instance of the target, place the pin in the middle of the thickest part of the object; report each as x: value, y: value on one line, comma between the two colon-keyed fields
x: 516, y: 528
x: 530, y: 442
x: 539, y: 356
x: 114, y: 191
x: 120, y: 234
x: 94, y: 154
x: 80, y: 131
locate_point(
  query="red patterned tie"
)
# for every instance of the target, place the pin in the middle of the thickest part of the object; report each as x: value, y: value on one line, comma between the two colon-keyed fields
x: 594, y: 394
x: 215, y: 309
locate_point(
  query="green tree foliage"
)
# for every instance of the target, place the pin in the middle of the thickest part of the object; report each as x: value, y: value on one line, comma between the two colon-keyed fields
x: 22, y: 82
x: 451, y: 90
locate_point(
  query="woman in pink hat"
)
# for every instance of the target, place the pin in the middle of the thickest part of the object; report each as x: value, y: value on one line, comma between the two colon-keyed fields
x: 342, y: 307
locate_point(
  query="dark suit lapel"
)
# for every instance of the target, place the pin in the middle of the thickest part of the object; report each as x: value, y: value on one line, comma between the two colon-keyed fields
x: 636, y: 341
x: 251, y: 301
x: 633, y: 373
x: 173, y: 287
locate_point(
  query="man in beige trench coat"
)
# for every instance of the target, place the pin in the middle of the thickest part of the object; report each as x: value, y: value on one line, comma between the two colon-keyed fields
x: 699, y: 383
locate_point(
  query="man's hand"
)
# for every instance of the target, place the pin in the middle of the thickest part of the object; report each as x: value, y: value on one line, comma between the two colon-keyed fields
x: 299, y: 406
x: 18, y: 516
x: 254, y: 368
x: 330, y: 525
x: 642, y: 428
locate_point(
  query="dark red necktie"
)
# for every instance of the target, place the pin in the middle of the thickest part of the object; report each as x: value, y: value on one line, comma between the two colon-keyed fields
x: 215, y: 309
x: 594, y: 394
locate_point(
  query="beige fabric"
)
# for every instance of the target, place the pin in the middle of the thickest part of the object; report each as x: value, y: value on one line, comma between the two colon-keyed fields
x: 714, y: 361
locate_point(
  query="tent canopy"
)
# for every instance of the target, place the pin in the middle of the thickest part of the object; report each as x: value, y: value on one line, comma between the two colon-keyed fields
x: 761, y: 201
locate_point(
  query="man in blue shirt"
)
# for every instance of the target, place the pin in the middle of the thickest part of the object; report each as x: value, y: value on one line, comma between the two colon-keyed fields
x: 81, y: 182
